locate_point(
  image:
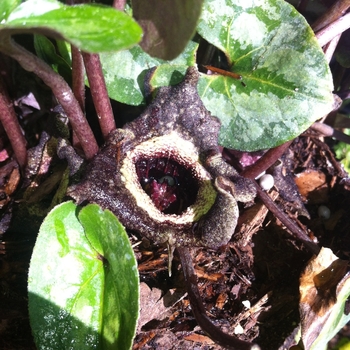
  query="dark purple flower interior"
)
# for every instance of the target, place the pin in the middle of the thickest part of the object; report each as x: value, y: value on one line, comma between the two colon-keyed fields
x: 171, y: 186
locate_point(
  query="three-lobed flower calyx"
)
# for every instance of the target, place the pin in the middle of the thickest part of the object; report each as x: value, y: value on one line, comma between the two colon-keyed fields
x: 163, y: 175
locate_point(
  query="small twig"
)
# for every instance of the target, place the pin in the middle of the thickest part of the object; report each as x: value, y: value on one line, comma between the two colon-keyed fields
x: 11, y: 125
x: 99, y: 93
x: 326, y: 34
x: 59, y: 87
x: 327, y: 130
x: 332, y: 14
x: 266, y: 161
x: 290, y: 225
x: 223, y: 339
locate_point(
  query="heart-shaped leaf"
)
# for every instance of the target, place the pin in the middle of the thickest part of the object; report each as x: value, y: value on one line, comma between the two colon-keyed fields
x: 285, y: 80
x: 83, y: 281
x: 286, y: 83
x: 93, y: 28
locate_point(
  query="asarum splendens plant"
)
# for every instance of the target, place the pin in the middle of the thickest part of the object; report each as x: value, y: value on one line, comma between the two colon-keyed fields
x: 163, y: 175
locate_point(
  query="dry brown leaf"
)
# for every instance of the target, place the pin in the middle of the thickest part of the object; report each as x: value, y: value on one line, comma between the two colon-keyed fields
x: 313, y: 186
x: 203, y: 339
x: 154, y: 306
x: 318, y: 293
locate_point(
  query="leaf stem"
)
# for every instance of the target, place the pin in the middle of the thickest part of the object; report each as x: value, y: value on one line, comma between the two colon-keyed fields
x: 332, y: 14
x: 60, y: 89
x: 269, y: 158
x: 78, y: 83
x: 223, y: 339
x: 99, y: 93
x: 327, y: 130
x: 330, y: 47
x: 11, y: 125
x: 266, y: 161
x: 286, y: 221
x: 326, y: 34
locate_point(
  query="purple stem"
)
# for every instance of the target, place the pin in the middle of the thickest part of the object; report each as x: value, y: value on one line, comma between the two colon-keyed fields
x: 327, y: 130
x: 99, y: 93
x: 338, y: 9
x: 11, y: 125
x: 326, y: 34
x: 266, y: 161
x: 60, y: 89
x: 286, y: 221
x: 78, y: 83
x: 223, y: 339
x: 269, y: 158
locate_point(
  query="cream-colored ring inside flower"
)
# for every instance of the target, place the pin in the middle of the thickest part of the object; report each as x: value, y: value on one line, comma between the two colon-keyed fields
x: 185, y: 153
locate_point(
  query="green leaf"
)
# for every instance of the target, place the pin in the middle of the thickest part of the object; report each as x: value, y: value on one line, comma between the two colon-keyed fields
x: 93, y: 28
x: 71, y: 286
x: 168, y: 25
x: 121, y: 305
x: 125, y: 72
x: 46, y: 50
x: 6, y: 7
x: 286, y: 82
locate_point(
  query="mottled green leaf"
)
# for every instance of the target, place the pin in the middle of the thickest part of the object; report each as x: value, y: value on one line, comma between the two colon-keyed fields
x: 286, y: 83
x: 78, y: 297
x: 168, y: 25
x: 93, y: 28
x: 125, y: 72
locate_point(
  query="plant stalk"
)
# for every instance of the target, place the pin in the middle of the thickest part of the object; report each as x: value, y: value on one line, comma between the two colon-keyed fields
x: 78, y: 83
x: 99, y: 93
x: 269, y: 158
x: 327, y: 130
x: 332, y: 14
x: 11, y: 125
x: 332, y: 30
x: 60, y: 89
x: 265, y: 162
x: 286, y: 221
x: 223, y: 339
